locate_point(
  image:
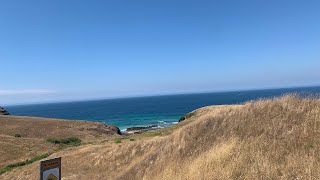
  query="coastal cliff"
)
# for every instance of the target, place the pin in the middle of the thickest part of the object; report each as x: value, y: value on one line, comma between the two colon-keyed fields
x: 3, y: 111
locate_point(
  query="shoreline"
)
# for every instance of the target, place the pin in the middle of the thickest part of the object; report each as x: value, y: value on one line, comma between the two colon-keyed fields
x: 151, y: 127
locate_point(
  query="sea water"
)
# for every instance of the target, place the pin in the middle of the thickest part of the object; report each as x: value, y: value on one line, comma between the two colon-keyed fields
x: 142, y: 111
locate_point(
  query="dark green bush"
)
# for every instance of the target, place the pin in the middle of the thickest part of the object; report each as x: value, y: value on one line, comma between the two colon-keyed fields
x: 69, y: 141
x: 18, y: 164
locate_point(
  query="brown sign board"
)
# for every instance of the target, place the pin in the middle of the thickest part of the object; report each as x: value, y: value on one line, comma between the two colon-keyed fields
x: 50, y: 169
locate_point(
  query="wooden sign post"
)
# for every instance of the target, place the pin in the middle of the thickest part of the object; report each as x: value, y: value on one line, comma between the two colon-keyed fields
x: 50, y: 169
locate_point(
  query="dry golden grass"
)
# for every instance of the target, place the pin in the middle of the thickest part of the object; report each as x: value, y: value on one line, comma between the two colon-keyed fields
x: 14, y: 149
x: 35, y: 132
x: 265, y: 139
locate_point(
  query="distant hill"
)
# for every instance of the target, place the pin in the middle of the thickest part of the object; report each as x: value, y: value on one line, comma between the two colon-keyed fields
x: 266, y: 139
x: 3, y: 111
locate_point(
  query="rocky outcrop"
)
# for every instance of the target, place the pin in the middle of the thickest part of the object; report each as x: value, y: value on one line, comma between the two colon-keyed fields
x: 141, y: 128
x: 3, y: 111
x: 107, y: 129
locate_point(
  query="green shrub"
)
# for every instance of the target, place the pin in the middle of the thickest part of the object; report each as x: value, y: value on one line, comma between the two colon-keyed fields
x: 5, y: 169
x: 26, y: 162
x: 69, y: 141
x: 117, y: 141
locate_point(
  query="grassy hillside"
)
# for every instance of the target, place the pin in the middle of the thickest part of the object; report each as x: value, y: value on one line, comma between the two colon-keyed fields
x: 24, y: 138
x: 266, y: 139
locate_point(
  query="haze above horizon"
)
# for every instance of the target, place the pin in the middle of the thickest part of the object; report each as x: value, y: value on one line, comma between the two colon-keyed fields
x: 64, y: 50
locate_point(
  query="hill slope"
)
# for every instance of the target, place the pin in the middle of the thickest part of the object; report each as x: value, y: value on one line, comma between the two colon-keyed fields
x: 33, y: 134
x: 274, y: 139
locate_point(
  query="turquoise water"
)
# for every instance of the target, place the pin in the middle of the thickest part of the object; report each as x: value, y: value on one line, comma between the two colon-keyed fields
x: 141, y: 111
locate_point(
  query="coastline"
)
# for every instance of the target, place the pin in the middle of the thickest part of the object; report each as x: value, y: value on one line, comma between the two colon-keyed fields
x: 144, y: 128
x: 144, y: 111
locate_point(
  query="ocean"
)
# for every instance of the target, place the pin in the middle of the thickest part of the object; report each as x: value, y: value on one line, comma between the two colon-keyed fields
x: 142, y: 111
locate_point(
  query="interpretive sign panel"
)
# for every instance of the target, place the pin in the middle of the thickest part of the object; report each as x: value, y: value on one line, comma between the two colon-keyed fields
x: 50, y: 169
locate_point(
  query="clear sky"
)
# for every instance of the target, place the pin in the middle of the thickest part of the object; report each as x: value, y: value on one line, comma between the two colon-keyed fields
x: 59, y: 50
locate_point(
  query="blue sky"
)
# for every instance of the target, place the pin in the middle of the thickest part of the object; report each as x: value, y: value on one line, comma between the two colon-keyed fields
x: 69, y: 50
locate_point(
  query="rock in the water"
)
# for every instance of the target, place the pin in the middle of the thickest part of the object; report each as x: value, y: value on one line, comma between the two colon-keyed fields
x: 3, y: 111
x: 141, y: 128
